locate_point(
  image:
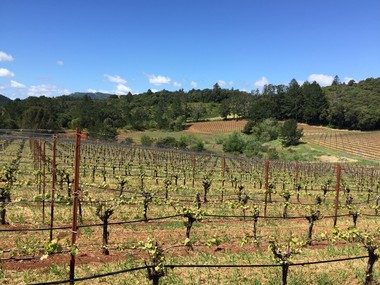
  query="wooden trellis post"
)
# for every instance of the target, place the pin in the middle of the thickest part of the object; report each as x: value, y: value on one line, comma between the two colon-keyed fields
x: 54, y: 179
x: 266, y: 185
x: 337, y: 188
x: 74, y: 228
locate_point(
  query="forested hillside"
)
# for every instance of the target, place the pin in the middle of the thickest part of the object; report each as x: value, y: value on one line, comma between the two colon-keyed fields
x: 352, y: 105
x: 355, y: 106
x: 4, y: 99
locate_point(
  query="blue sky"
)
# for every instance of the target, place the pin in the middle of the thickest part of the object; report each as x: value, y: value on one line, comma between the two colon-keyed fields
x: 52, y: 47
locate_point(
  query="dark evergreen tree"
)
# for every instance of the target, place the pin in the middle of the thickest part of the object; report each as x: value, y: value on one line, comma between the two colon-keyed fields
x: 293, y: 101
x: 315, y: 104
x: 336, y: 81
x: 290, y: 134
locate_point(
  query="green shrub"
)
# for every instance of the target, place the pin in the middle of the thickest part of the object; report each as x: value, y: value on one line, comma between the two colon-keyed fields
x: 166, y: 142
x: 267, y: 130
x: 198, y: 146
x: 272, y: 153
x: 128, y: 141
x: 146, y: 140
x: 253, y: 147
x: 234, y: 143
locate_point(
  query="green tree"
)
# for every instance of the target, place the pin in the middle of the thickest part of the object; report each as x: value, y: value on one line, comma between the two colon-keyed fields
x: 224, y: 109
x: 268, y: 104
x: 290, y: 134
x: 216, y: 91
x: 6, y: 121
x: 140, y: 117
x: 293, y: 101
x: 36, y: 117
x: 178, y: 124
x: 336, y: 81
x: 198, y: 112
x: 160, y: 115
x: 315, y: 104
x: 102, y: 132
x: 248, y: 127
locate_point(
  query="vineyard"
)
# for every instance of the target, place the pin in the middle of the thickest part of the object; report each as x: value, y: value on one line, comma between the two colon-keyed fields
x: 76, y: 211
x: 358, y: 144
x: 213, y: 127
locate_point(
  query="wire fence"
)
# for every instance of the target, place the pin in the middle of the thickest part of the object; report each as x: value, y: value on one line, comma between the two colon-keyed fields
x: 248, y: 216
x: 173, y: 266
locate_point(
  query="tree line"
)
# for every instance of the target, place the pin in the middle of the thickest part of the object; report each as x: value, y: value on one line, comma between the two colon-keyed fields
x: 352, y: 105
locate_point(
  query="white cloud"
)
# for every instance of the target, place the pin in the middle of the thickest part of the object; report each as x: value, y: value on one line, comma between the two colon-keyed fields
x: 122, y: 89
x: 347, y: 79
x: 301, y: 82
x: 193, y: 84
x: 46, y: 90
x: 5, y: 57
x: 321, y: 79
x: 261, y: 82
x: 115, y: 79
x: 6, y: 73
x: 223, y: 83
x: 176, y: 84
x: 159, y: 79
x: 60, y: 62
x: 16, y: 84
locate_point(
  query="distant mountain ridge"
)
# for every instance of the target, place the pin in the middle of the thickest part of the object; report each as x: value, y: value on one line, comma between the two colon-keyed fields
x: 95, y: 96
x: 4, y: 99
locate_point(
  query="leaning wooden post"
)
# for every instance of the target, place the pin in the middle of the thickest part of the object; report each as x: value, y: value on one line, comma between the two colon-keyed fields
x: 54, y: 178
x: 75, y: 205
x: 266, y: 185
x: 337, y: 188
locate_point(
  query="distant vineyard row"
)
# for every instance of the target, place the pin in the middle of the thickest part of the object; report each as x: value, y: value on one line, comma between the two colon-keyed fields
x: 360, y: 144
